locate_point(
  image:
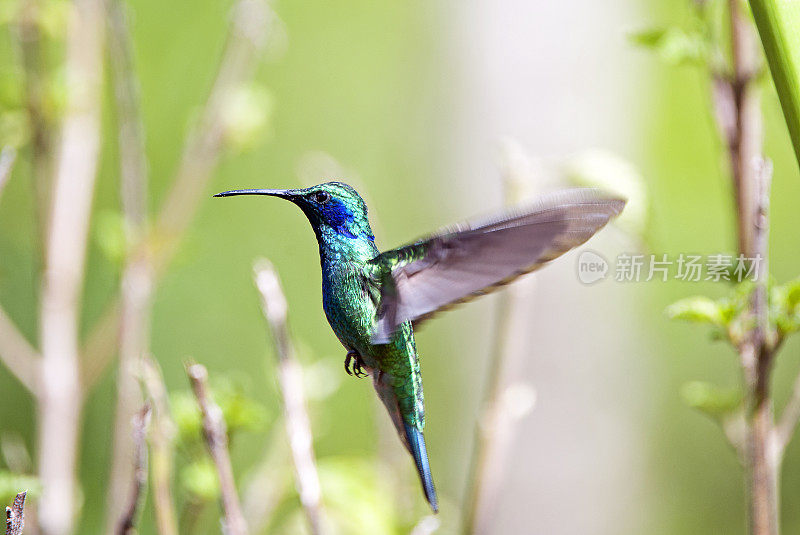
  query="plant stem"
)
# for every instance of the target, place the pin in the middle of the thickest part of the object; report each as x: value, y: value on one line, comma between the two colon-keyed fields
x: 216, y: 437
x: 744, y: 141
x: 162, y: 432
x: 126, y: 524
x: 202, y: 150
x: 60, y: 393
x: 762, y: 457
x: 494, y: 431
x: 15, y: 515
x: 777, y: 25
x: 136, y: 286
x: 30, y: 39
x: 738, y: 115
x: 296, y: 418
x: 789, y: 418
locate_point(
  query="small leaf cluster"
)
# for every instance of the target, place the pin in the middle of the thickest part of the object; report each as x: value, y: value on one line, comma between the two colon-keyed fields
x: 696, y: 41
x: 729, y: 316
x: 673, y: 45
x: 198, y: 477
x: 730, y: 319
x: 48, y: 21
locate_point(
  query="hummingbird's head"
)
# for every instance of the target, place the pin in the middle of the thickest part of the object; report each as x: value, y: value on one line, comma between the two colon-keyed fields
x: 333, y: 208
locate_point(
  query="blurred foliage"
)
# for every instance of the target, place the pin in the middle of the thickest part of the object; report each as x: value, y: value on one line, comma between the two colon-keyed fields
x: 199, y: 485
x: 711, y: 400
x: 241, y: 413
x: 674, y: 45
x: 247, y: 112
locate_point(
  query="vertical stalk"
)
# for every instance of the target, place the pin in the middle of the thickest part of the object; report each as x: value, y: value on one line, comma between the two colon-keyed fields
x: 162, y: 432
x: 30, y: 38
x: 137, y: 284
x: 745, y: 139
x: 494, y: 432
x: 762, y: 458
x: 290, y: 377
x: 777, y: 25
x: 736, y: 93
x: 60, y: 394
x: 215, y: 433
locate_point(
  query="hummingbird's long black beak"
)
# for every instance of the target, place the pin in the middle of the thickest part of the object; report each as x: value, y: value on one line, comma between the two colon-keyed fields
x: 282, y: 193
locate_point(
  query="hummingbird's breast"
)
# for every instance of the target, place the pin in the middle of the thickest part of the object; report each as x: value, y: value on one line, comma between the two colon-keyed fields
x: 350, y: 303
x: 349, y: 306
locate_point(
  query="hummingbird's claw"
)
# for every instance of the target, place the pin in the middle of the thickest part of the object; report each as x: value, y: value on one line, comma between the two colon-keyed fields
x: 353, y: 364
x: 351, y: 355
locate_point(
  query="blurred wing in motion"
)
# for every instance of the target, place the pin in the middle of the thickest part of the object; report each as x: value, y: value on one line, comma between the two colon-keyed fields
x: 469, y: 260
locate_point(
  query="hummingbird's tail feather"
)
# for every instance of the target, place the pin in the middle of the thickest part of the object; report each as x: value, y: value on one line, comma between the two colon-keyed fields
x: 416, y: 444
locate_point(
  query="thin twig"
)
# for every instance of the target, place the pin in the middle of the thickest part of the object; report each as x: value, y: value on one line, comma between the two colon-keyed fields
x: 745, y: 142
x: 60, y: 393
x: 18, y: 355
x: 789, y: 418
x: 267, y: 483
x: 125, y: 525
x: 16, y: 352
x: 7, y: 157
x: 290, y: 377
x: 756, y: 355
x: 494, y: 433
x: 30, y: 39
x: 15, y: 515
x: 136, y: 286
x: 216, y: 437
x: 162, y: 433
x: 426, y: 526
x: 738, y: 115
x: 201, y: 153
x: 735, y: 428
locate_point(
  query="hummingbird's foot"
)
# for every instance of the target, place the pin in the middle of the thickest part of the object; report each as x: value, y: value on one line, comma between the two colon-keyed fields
x: 353, y: 364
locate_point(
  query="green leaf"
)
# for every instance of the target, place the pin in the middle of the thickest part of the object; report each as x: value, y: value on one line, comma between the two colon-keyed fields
x: 785, y: 307
x: 791, y: 293
x: 698, y: 309
x: 200, y: 479
x: 9, y: 11
x: 711, y: 399
x: 246, y: 113
x: 778, y: 22
x: 349, y: 480
x: 109, y: 234
x: 53, y: 18
x: 241, y: 413
x: 648, y: 38
x: 14, y: 128
x: 673, y: 45
x: 187, y: 417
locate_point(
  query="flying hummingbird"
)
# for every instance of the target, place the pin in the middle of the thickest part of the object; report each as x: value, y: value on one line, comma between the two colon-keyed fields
x: 374, y: 300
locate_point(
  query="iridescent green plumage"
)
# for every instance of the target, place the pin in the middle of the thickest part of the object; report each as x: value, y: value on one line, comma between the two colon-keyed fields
x: 371, y: 299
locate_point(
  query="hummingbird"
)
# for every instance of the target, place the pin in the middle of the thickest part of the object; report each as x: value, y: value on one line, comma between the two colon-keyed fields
x: 374, y: 300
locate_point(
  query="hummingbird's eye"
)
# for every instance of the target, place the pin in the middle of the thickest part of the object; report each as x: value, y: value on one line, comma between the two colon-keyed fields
x: 322, y: 197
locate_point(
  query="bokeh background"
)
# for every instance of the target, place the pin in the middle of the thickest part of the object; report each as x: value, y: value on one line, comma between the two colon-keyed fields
x: 413, y: 103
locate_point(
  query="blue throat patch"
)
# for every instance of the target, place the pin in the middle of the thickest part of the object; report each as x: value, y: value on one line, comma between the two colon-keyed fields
x: 340, y: 218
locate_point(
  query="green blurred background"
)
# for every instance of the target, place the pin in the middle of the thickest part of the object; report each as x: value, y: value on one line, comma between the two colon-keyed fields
x: 407, y: 101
